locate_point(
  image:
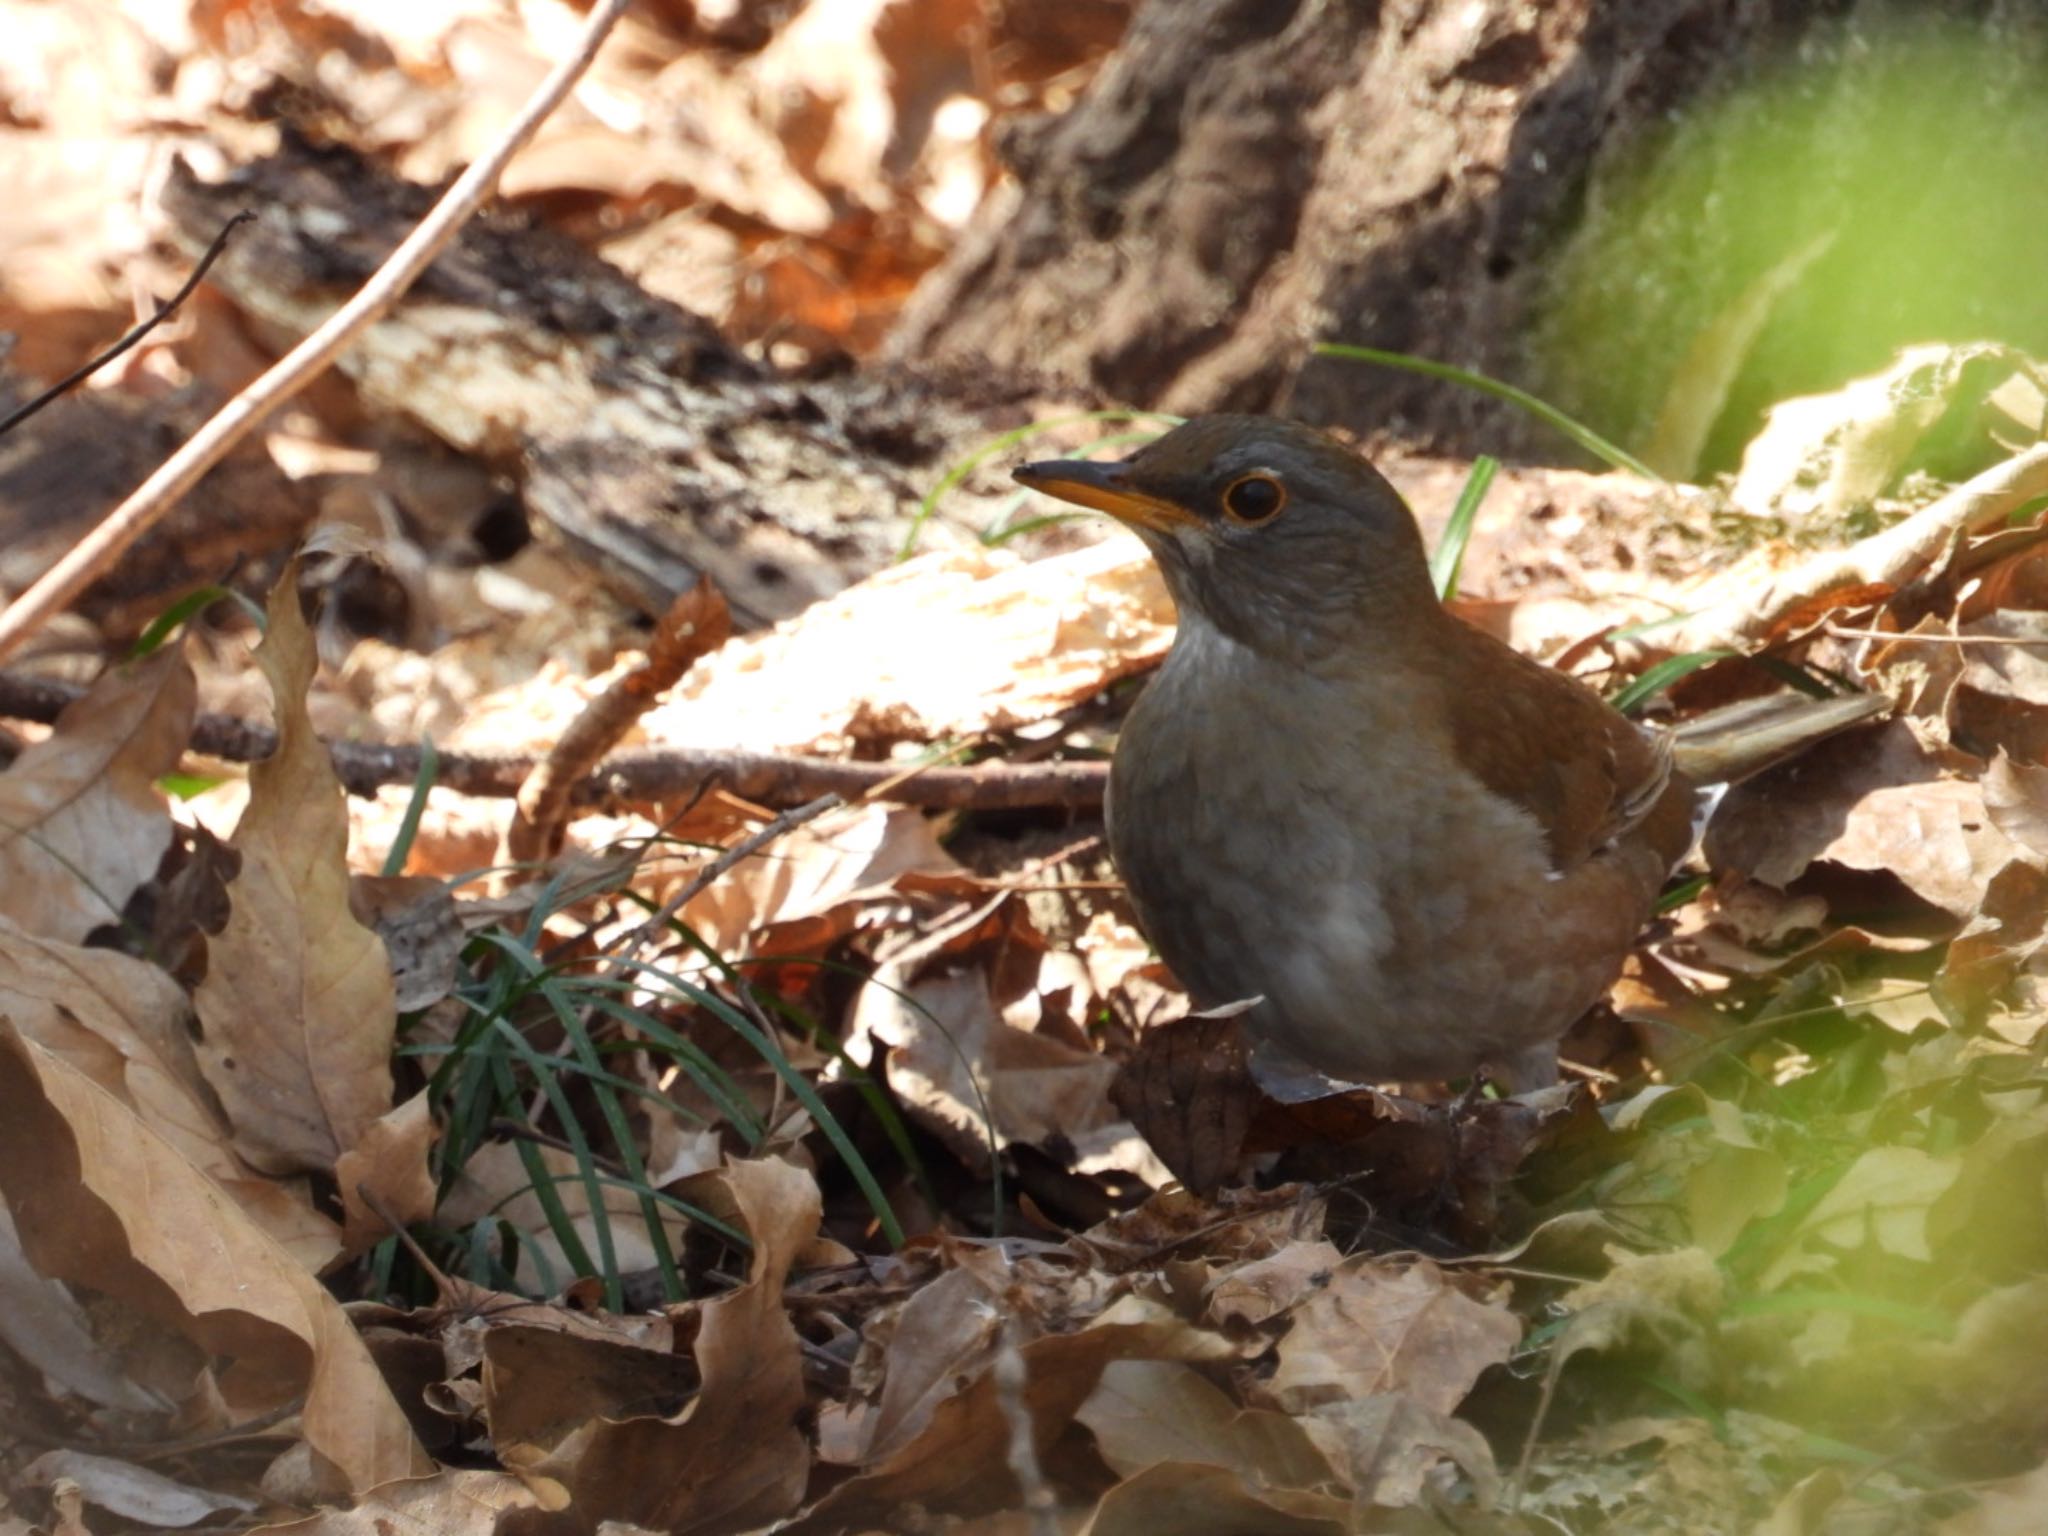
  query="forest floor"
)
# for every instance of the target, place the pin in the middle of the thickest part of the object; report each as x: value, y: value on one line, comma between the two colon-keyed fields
x: 502, y: 1053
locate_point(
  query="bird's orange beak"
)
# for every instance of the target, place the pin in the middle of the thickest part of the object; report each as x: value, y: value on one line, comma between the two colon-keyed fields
x: 1105, y: 488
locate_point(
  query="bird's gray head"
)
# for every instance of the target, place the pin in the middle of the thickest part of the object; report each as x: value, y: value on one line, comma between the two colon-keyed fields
x: 1273, y: 532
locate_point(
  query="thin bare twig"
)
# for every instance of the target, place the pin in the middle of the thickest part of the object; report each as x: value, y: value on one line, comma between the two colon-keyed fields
x: 1902, y: 637
x: 696, y: 624
x: 742, y: 850
x: 98, y: 550
x: 164, y: 312
x: 639, y: 776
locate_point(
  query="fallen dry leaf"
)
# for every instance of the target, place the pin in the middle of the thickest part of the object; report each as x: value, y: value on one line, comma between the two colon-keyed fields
x: 1822, y: 456
x: 102, y: 1200
x: 82, y: 823
x: 733, y: 1458
x: 1376, y: 1327
x: 944, y: 645
x: 416, y: 919
x: 496, y: 1183
x: 452, y: 1502
x: 389, y: 1160
x: 134, y: 1492
x: 124, y: 1024
x: 1195, y: 1500
x: 42, y: 1322
x: 1879, y: 800
x: 1144, y: 1412
x: 297, y: 1011
x: 804, y: 890
x: 965, y: 1444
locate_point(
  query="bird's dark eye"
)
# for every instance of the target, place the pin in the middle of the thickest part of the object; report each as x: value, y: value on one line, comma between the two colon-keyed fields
x: 1254, y: 498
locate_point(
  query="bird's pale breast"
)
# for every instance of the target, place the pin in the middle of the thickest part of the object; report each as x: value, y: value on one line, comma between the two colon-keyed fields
x: 1378, y: 900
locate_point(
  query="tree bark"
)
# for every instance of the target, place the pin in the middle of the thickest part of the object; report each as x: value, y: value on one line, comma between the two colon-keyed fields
x: 1246, y: 178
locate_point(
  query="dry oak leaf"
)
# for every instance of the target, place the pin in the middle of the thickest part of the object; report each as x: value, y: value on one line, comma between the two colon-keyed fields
x: 733, y: 1458
x: 964, y: 1448
x: 82, y: 823
x: 496, y: 1183
x: 101, y: 1199
x: 1145, y: 1412
x: 134, y: 1492
x: 1880, y: 800
x: 1193, y: 1500
x: 1376, y: 1328
x: 123, y: 1023
x: 297, y: 1009
x: 943, y: 645
x: 449, y: 1503
x: 390, y: 1161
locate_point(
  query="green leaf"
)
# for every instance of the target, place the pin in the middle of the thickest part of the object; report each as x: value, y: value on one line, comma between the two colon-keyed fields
x: 1663, y: 675
x: 1543, y: 411
x: 1444, y: 564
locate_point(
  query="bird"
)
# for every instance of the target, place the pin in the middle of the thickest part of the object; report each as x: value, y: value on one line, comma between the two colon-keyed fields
x: 1405, y: 851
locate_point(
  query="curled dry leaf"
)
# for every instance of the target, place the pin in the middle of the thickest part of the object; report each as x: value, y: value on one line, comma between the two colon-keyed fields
x: 449, y: 1503
x: 1772, y: 594
x: 389, y: 1160
x: 1145, y: 1412
x: 101, y: 1199
x: 1194, y: 1500
x: 942, y: 646
x: 804, y: 890
x: 951, y: 1054
x: 1382, y: 1328
x: 2016, y: 795
x: 43, y: 1323
x: 733, y: 1458
x: 965, y: 1444
x: 139, y: 1494
x: 82, y: 823
x: 1822, y: 456
x: 123, y: 1023
x: 297, y: 1009
x: 495, y: 1182
x: 416, y: 919
x: 1879, y: 801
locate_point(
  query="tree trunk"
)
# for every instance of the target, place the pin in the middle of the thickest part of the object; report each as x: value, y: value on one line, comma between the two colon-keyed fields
x: 1246, y: 178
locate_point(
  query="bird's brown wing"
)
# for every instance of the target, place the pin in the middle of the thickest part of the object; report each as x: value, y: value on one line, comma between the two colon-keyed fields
x: 1551, y: 745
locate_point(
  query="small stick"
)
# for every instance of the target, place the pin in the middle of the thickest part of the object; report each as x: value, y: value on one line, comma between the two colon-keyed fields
x: 744, y: 849
x: 696, y: 624
x: 635, y: 776
x: 59, y: 586
x: 163, y: 313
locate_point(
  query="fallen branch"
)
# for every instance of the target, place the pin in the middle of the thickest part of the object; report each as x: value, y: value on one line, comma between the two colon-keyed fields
x: 777, y: 780
x: 696, y: 624
x: 96, y: 553
x: 1755, y: 607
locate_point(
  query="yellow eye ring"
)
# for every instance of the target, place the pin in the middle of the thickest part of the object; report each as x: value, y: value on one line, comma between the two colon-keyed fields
x: 1254, y: 498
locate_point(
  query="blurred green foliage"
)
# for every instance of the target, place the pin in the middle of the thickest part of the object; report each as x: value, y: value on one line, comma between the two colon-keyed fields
x: 1884, y: 185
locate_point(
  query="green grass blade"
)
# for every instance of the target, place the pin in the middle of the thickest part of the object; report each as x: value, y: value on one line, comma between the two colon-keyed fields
x: 624, y: 1143
x: 542, y: 1181
x: 1449, y: 557
x: 1663, y: 675
x: 415, y: 807
x: 543, y: 1072
x: 164, y: 624
x: 1542, y: 410
x: 801, y: 1090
